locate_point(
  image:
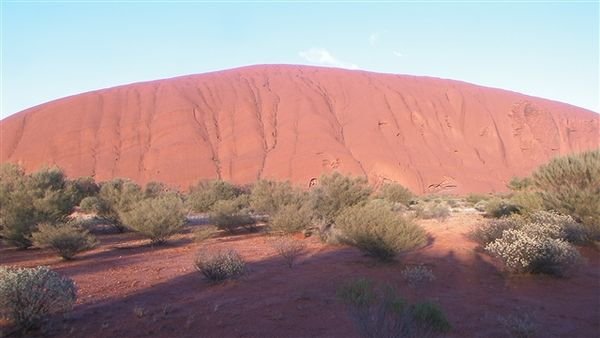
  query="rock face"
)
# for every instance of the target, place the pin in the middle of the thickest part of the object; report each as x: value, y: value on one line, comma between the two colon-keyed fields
x: 296, y: 122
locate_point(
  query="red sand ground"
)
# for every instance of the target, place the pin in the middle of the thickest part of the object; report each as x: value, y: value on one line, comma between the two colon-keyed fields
x: 122, y: 279
x: 296, y: 122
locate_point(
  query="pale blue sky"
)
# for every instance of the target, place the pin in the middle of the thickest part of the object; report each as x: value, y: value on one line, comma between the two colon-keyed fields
x: 51, y: 50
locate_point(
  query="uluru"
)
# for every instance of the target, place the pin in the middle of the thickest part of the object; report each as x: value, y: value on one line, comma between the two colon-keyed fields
x: 287, y: 122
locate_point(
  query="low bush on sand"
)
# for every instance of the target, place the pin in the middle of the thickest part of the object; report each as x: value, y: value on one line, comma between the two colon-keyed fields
x: 378, y: 231
x: 417, y: 276
x: 221, y: 265
x: 156, y: 218
x: 395, y: 193
x: 228, y: 215
x: 289, y: 249
x: 290, y: 218
x: 29, y: 295
x: 66, y: 239
x: 432, y: 210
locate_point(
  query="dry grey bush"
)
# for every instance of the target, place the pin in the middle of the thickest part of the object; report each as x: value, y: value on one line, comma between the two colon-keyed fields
x: 289, y: 249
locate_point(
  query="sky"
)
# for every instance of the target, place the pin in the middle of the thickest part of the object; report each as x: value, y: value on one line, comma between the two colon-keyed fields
x: 54, y: 49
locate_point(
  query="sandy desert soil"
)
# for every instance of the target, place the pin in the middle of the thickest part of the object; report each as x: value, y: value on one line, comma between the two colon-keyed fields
x: 129, y: 289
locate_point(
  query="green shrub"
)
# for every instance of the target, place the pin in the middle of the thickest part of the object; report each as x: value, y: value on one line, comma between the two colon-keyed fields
x: 205, y: 194
x: 336, y: 192
x: 289, y: 249
x: 385, y: 314
x: 487, y: 232
x: 476, y: 198
x: 27, y: 200
x: 28, y: 295
x: 116, y: 198
x: 395, y: 193
x: 533, y: 251
x: 203, y: 233
x: 429, y: 317
x: 520, y: 183
x: 221, y: 265
x: 570, y: 185
x: 66, y: 239
x: 156, y: 218
x: 497, y: 207
x: 269, y: 196
x: 378, y: 231
x: 290, y: 218
x: 81, y: 188
x: 526, y: 202
x: 155, y: 189
x: 228, y: 215
x: 432, y: 210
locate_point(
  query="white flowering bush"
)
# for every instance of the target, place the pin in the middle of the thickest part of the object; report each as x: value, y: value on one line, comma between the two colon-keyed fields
x: 487, y: 232
x: 534, y: 252
x: 557, y: 226
x: 28, y: 295
x: 417, y: 275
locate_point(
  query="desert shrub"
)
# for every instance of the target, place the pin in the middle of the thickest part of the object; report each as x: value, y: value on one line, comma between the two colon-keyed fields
x: 429, y: 317
x: 432, y: 210
x: 487, y: 232
x: 533, y: 251
x: 526, y: 201
x: 203, y: 233
x: 520, y: 183
x: 498, y: 207
x: 395, y: 193
x: 221, y: 265
x: 557, y: 226
x: 227, y: 215
x: 289, y: 249
x: 28, y: 295
x: 27, y: 200
x: 269, y: 196
x: 385, y: 314
x: 336, y: 192
x: 117, y: 197
x: 570, y: 185
x: 476, y: 198
x: 156, y: 218
x: 417, y: 275
x: 66, y: 239
x: 82, y: 187
x: 480, y: 206
x: 290, y: 218
x: 154, y: 189
x: 378, y: 231
x: 205, y: 194
x: 519, y: 325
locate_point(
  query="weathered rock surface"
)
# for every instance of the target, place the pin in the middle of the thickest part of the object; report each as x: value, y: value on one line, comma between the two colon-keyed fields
x: 296, y: 122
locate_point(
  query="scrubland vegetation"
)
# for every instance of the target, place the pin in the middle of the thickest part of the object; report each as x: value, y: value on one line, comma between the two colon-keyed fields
x: 536, y: 228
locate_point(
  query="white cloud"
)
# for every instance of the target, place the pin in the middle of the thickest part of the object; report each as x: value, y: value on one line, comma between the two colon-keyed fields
x: 397, y: 53
x: 324, y: 57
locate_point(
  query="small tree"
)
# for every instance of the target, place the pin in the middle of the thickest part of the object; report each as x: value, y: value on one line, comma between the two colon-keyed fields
x: 228, y: 215
x: 571, y: 185
x: 156, y: 218
x: 290, y: 218
x: 66, y: 239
